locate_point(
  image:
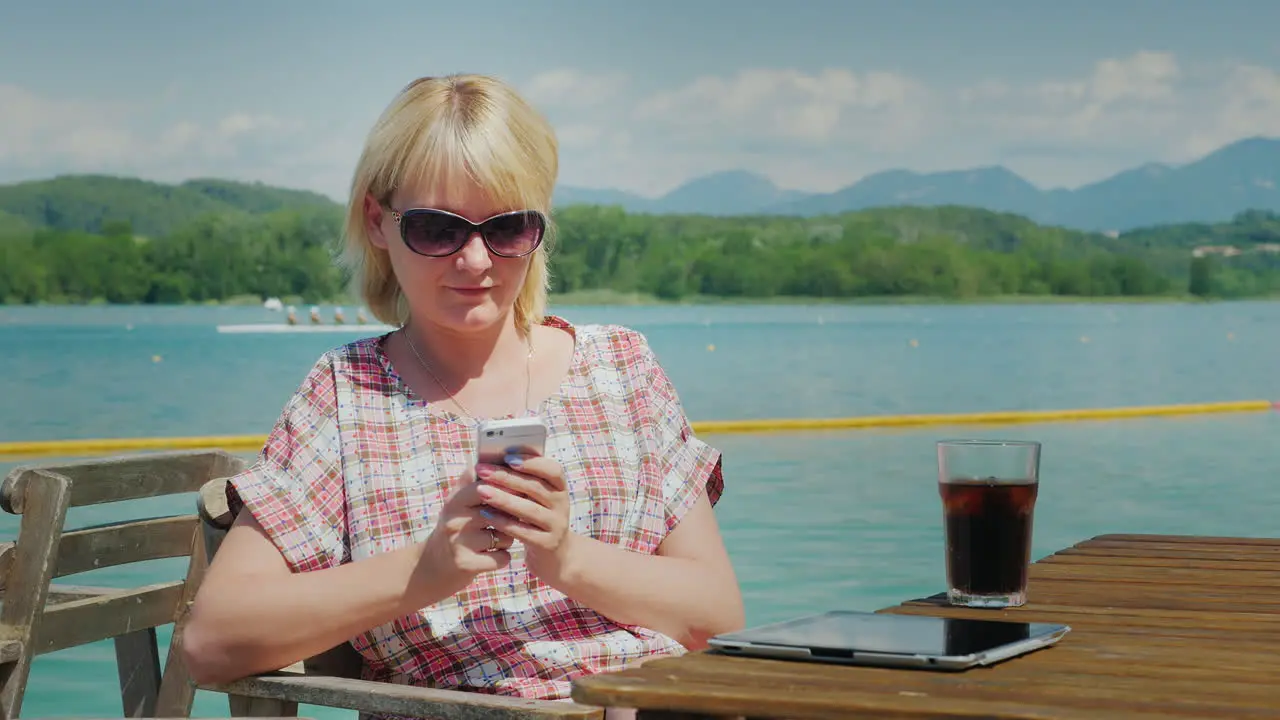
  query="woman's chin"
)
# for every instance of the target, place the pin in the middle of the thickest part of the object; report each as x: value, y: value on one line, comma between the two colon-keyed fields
x: 470, y: 317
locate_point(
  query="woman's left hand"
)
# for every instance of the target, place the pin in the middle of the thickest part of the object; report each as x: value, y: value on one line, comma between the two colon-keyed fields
x: 532, y: 500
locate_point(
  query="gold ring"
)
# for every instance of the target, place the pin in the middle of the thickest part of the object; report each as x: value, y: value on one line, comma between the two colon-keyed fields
x: 493, y: 539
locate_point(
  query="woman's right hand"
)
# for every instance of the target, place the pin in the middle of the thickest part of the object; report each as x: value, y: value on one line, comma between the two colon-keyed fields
x: 462, y: 545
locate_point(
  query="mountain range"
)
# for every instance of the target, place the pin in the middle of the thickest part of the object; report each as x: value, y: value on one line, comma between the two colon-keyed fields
x: 1244, y: 175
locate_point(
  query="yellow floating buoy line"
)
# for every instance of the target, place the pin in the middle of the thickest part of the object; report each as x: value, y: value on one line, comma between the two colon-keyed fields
x: 253, y: 443
x: 999, y: 417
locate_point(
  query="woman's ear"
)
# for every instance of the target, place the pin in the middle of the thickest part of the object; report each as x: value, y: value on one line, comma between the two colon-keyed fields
x: 374, y: 217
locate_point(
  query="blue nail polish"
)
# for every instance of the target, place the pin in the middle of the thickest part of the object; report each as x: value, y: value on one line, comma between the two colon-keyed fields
x: 512, y: 460
x: 486, y: 513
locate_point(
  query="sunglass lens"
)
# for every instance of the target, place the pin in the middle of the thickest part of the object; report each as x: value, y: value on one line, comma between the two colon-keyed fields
x: 515, y: 234
x: 435, y: 234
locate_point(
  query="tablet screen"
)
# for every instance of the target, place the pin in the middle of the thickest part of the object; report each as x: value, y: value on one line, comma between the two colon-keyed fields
x: 885, y: 633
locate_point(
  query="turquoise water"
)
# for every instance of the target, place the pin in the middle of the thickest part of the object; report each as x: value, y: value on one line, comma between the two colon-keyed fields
x: 814, y: 520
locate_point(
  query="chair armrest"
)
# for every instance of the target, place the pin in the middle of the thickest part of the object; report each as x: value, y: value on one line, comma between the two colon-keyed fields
x: 11, y: 651
x: 378, y: 697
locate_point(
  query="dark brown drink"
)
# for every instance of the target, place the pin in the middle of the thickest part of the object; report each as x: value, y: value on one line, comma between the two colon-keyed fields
x: 988, y: 527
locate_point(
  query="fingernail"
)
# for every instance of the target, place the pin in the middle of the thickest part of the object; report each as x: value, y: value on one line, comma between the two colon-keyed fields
x: 513, y: 460
x: 486, y: 513
x: 484, y: 471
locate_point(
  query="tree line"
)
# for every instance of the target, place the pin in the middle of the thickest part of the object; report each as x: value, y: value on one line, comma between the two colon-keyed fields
x: 943, y: 252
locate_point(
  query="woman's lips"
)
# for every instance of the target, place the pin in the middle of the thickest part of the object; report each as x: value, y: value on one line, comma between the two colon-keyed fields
x: 471, y: 291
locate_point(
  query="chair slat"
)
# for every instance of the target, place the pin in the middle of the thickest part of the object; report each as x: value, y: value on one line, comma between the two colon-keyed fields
x: 107, y: 616
x: 125, y: 542
x: 128, y: 477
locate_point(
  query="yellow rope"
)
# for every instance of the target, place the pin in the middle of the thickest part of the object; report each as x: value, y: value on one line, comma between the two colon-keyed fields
x: 252, y: 443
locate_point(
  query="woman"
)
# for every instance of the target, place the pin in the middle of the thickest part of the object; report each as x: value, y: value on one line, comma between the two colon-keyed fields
x: 363, y: 519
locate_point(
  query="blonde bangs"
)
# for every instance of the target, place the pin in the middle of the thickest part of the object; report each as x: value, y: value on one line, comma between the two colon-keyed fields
x: 453, y: 132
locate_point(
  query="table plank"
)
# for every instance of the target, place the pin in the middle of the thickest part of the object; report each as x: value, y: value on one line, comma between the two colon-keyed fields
x: 1218, y: 577
x: 1200, y: 540
x: 1118, y: 558
x: 1162, y: 626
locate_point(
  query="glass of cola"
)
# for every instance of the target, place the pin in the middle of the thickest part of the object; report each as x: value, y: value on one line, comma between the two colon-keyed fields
x: 988, y: 490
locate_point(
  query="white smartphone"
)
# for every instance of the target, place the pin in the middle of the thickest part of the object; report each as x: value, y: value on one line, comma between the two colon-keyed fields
x: 521, y: 436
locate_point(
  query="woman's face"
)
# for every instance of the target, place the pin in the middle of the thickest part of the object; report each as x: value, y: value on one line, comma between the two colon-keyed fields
x: 468, y: 291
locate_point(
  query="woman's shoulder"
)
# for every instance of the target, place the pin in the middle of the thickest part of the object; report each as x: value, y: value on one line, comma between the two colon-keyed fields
x: 354, y: 364
x: 607, y: 343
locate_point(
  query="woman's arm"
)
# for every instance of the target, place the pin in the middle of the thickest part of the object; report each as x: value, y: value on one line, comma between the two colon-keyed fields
x: 688, y: 591
x: 253, y: 614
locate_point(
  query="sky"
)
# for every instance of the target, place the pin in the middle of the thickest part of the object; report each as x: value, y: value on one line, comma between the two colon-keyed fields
x: 813, y: 94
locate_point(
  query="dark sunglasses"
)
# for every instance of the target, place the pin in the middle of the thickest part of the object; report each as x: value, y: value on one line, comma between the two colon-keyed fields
x: 439, y: 233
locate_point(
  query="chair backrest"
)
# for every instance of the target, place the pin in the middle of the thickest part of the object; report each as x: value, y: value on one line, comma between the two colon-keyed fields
x: 216, y: 519
x: 26, y: 571
x: 79, y: 615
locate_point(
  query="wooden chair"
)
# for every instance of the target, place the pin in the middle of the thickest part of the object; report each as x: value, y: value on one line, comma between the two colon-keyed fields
x: 26, y: 570
x: 331, y: 679
x: 43, y: 618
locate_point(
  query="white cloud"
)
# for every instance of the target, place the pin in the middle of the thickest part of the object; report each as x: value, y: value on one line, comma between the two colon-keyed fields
x: 240, y: 122
x: 1118, y: 95
x: 566, y: 87
x: 788, y: 104
x: 85, y: 135
x: 985, y: 91
x: 1246, y: 102
x: 825, y: 129
x: 1147, y: 76
x: 811, y: 129
x: 34, y: 127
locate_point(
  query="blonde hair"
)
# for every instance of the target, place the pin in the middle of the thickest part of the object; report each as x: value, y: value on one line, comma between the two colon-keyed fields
x: 435, y: 128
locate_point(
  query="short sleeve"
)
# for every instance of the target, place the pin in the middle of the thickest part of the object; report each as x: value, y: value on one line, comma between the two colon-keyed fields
x: 295, y: 490
x: 688, y: 465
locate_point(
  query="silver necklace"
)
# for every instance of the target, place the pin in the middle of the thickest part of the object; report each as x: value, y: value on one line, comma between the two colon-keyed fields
x: 528, y: 362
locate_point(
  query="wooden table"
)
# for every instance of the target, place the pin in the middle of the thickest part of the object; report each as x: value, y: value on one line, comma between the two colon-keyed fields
x: 1162, y: 627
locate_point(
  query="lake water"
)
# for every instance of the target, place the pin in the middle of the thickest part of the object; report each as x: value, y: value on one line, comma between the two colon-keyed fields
x: 814, y: 521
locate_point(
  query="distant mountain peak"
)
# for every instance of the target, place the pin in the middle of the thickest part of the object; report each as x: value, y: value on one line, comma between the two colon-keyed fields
x: 735, y: 176
x: 1240, y: 176
x: 731, y: 180
x: 1253, y: 143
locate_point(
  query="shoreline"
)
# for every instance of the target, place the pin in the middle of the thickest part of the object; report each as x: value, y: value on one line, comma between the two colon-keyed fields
x: 595, y: 298
x: 610, y: 298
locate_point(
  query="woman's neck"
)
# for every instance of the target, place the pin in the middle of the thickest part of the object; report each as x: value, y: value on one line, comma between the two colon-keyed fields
x: 460, y: 357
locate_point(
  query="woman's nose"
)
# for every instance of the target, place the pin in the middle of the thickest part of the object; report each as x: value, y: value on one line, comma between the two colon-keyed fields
x: 475, y: 255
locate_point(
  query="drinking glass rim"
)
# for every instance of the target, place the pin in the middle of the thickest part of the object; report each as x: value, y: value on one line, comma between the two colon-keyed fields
x: 990, y: 443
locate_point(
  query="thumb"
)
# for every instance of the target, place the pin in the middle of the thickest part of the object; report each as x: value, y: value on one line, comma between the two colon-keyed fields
x: 464, y: 495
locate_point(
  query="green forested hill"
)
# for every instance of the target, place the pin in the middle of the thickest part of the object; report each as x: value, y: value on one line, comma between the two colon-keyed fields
x: 88, y: 202
x: 12, y: 224
x: 1250, y: 228
x: 256, y: 197
x: 81, y: 239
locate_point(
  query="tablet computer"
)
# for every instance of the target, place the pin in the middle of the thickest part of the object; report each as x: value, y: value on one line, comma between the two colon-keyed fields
x: 916, y: 641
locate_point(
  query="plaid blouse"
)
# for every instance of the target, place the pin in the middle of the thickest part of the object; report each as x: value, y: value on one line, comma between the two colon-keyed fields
x: 358, y: 464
